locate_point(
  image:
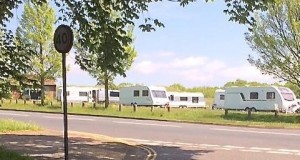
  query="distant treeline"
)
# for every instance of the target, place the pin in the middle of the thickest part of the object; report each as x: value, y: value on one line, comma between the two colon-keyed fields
x: 210, y: 91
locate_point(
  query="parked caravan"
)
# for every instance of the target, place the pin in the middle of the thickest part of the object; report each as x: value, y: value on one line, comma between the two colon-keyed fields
x: 186, y: 99
x: 79, y: 93
x: 113, y: 95
x: 261, y: 98
x: 144, y: 96
x: 219, y: 99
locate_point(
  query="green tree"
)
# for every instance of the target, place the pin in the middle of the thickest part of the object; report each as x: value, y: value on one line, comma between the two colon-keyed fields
x: 238, y: 10
x: 36, y: 29
x: 294, y: 88
x: 275, y: 38
x: 100, y: 55
x: 14, y: 62
x: 176, y: 87
x: 240, y: 83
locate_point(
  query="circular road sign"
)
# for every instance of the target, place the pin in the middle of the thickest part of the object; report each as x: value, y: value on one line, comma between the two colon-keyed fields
x: 63, y: 38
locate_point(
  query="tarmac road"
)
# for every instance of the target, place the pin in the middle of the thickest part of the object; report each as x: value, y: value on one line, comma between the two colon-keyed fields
x: 180, y: 141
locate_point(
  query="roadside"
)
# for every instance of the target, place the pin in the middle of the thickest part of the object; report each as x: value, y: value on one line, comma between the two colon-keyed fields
x: 48, y: 145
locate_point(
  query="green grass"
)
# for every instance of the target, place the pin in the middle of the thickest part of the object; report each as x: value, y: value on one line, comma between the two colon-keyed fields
x: 11, y: 155
x: 11, y: 125
x: 258, y: 119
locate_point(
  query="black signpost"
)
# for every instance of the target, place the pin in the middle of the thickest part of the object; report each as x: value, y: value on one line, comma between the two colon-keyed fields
x: 63, y: 42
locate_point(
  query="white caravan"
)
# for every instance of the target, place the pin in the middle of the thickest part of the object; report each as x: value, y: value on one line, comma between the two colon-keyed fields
x: 113, y: 95
x: 186, y: 99
x: 261, y: 98
x: 79, y: 93
x: 144, y: 96
x: 219, y: 99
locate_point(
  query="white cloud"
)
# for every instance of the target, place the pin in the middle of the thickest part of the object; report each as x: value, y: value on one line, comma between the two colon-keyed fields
x: 197, y: 70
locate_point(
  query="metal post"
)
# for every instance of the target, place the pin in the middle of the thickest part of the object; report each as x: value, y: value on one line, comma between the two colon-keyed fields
x: 65, y: 109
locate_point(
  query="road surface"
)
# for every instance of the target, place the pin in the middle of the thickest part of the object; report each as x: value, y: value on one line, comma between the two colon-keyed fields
x: 180, y: 141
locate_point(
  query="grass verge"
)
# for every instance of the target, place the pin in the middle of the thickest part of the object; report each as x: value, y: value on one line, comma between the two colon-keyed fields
x: 11, y: 126
x: 11, y: 155
x: 207, y: 116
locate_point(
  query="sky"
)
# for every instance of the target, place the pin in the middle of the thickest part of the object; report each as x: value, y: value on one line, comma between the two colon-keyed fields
x: 197, y: 47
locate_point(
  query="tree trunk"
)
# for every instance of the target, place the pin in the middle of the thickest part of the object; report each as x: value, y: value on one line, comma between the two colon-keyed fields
x: 106, y: 89
x: 42, y: 76
x: 42, y: 90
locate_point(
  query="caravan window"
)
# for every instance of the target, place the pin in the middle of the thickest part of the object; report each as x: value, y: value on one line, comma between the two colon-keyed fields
x: 159, y: 94
x: 270, y: 95
x: 83, y: 94
x: 222, y: 97
x: 287, y: 96
x: 195, y: 99
x: 136, y: 93
x: 145, y: 93
x: 183, y: 98
x: 171, y: 97
x: 114, y: 94
x: 253, y: 95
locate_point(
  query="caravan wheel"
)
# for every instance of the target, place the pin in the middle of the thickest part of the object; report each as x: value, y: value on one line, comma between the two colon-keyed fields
x: 253, y: 109
x: 247, y: 109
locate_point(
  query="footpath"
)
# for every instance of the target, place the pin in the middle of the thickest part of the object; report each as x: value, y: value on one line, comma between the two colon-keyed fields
x: 49, y: 145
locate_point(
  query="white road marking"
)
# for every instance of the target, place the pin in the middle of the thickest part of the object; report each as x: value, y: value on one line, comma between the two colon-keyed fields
x: 52, y: 117
x: 288, y: 150
x: 70, y: 118
x: 259, y: 132
x: 148, y: 124
x: 276, y: 152
x: 210, y: 145
x: 14, y: 114
x: 249, y: 150
x: 259, y: 148
x: 81, y: 119
x: 235, y: 147
x: 223, y: 148
x: 217, y: 147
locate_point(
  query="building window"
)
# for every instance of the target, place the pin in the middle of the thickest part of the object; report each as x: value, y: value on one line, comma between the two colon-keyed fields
x: 253, y: 95
x: 183, y: 98
x: 114, y: 94
x: 195, y: 99
x: 136, y: 93
x: 145, y: 93
x: 270, y: 95
x: 83, y: 94
x: 222, y: 97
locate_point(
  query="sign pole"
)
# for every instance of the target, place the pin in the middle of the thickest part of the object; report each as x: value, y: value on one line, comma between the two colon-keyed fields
x: 65, y: 103
x: 63, y: 42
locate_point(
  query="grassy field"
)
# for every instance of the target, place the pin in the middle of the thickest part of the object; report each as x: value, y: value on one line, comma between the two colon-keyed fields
x: 207, y: 116
x: 10, y: 126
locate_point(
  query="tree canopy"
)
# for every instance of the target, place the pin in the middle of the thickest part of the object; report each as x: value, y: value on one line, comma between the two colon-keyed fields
x: 276, y: 40
x: 36, y: 31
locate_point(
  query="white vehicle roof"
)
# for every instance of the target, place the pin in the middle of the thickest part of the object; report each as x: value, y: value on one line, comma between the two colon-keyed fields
x: 195, y: 94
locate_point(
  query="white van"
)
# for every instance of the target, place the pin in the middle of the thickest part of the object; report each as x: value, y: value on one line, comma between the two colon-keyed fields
x: 144, y: 96
x: 260, y: 98
x: 219, y: 99
x: 186, y: 99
